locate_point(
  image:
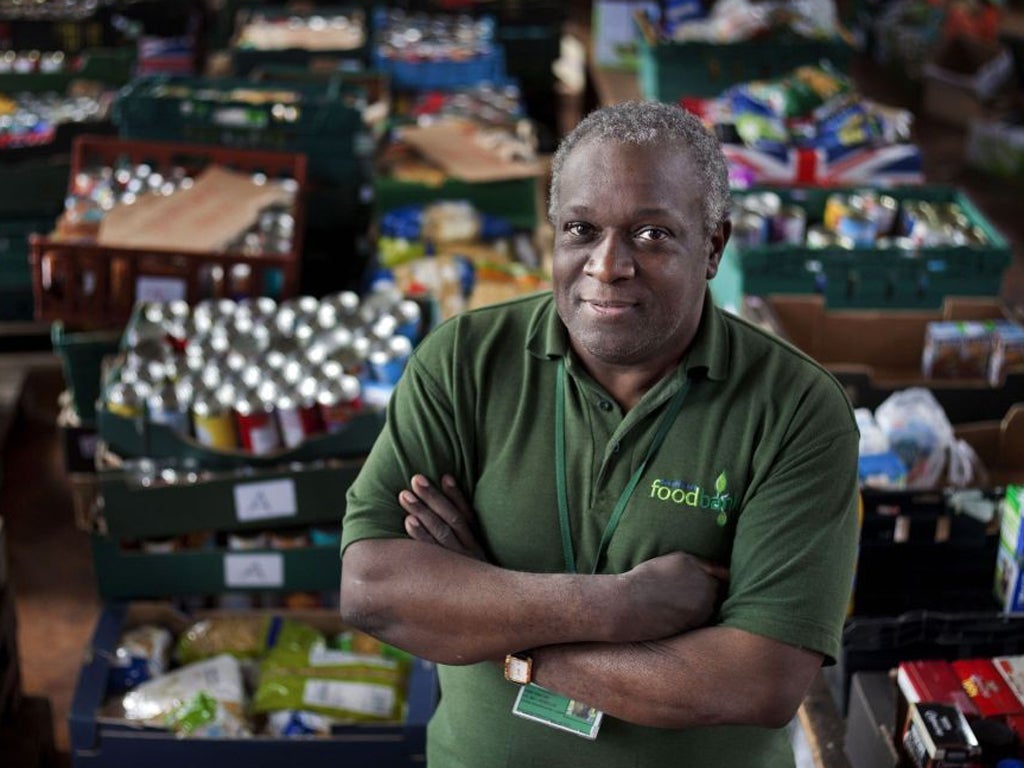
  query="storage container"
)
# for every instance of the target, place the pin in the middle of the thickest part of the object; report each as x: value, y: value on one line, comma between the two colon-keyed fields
x: 670, y: 70
x: 91, y: 285
x: 323, y: 120
x: 874, y: 353
x: 100, y: 742
x: 871, y: 277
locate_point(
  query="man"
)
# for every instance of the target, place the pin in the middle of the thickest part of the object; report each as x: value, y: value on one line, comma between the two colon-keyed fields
x: 567, y: 478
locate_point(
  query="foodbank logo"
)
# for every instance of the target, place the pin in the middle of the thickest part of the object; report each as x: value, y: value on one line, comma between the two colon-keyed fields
x: 691, y: 495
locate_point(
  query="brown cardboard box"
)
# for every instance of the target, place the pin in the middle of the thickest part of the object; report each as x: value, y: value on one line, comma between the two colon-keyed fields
x: 962, y: 77
x: 874, y: 353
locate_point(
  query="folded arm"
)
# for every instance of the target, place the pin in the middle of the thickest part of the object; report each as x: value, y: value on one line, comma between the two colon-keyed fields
x: 454, y: 609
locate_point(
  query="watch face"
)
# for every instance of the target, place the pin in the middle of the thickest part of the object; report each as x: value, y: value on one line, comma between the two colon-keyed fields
x: 517, y: 670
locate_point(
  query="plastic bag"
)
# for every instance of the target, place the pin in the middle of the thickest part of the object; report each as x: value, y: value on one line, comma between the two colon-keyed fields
x: 142, y: 654
x: 921, y: 435
x: 220, y: 678
x: 339, y: 684
x: 245, y: 636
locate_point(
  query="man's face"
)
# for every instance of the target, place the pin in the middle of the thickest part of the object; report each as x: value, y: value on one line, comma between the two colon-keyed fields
x: 631, y: 256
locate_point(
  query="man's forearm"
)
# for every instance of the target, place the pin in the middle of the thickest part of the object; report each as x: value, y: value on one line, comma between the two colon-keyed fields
x: 709, y: 676
x: 454, y: 609
x: 457, y: 610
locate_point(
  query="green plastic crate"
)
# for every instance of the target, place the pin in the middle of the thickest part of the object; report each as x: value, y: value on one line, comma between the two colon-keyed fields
x: 327, y: 126
x: 138, y: 437
x: 110, y: 66
x: 669, y: 71
x: 81, y: 357
x: 248, y: 499
x: 129, y: 574
x: 34, y: 188
x: 15, y: 272
x: 872, y: 278
x: 514, y: 199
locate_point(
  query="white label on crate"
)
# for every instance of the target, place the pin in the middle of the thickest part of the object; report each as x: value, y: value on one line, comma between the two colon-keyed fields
x: 263, y: 570
x: 266, y: 500
x: 365, y: 698
x: 160, y: 289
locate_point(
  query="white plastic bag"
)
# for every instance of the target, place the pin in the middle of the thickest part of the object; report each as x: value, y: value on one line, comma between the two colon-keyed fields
x: 922, y: 436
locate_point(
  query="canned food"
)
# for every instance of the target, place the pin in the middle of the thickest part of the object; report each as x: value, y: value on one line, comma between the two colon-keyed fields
x: 160, y: 546
x: 290, y: 420
x: 247, y: 541
x: 288, y: 539
x: 790, y: 225
x: 858, y: 227
x: 257, y: 425
x: 750, y: 230
x: 213, y: 423
x: 345, y: 303
x: 126, y: 400
x: 835, y: 208
x: 164, y: 407
x: 339, y: 402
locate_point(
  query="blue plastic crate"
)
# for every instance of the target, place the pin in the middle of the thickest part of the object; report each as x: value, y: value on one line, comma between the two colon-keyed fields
x: 99, y: 742
x: 488, y: 67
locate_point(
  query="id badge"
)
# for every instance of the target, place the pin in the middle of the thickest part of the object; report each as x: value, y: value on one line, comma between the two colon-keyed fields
x: 557, y: 711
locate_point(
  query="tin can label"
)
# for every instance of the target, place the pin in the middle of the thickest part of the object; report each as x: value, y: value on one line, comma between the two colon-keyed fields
x: 293, y: 428
x: 216, y: 431
x: 259, y: 433
x: 337, y: 417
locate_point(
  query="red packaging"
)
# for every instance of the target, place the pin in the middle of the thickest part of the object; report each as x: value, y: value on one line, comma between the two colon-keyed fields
x: 987, y: 688
x: 933, y: 681
x: 1012, y: 670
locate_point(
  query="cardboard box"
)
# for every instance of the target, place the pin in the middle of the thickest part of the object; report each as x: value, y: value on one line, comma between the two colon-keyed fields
x: 101, y: 742
x: 933, y: 680
x: 870, y: 740
x: 1010, y: 521
x: 987, y: 687
x: 962, y: 76
x: 874, y: 353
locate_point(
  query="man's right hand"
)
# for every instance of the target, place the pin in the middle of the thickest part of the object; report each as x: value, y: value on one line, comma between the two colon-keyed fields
x: 668, y: 595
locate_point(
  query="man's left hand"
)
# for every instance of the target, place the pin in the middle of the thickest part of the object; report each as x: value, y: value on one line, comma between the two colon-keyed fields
x: 441, y: 516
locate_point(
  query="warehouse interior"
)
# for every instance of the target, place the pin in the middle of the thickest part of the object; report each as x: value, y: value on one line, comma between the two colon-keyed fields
x: 950, y: 74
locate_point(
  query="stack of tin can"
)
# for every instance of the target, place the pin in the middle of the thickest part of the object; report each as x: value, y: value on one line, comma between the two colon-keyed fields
x: 259, y: 376
x: 424, y: 37
x: 97, y: 190
x: 32, y: 119
x: 861, y: 219
x: 32, y: 62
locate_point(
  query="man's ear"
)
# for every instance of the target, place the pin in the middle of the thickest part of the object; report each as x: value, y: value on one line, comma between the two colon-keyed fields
x: 718, y: 240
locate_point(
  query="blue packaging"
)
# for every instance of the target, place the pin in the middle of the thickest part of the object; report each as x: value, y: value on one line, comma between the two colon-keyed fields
x: 882, y: 470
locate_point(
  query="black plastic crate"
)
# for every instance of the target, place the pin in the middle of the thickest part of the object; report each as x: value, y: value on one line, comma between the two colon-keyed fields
x: 878, y: 644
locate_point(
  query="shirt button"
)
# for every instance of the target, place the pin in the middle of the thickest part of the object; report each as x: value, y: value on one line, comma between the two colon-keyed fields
x: 615, y: 447
x: 604, y: 405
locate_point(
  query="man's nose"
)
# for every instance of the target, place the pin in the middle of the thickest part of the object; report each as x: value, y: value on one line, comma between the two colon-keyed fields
x: 610, y: 260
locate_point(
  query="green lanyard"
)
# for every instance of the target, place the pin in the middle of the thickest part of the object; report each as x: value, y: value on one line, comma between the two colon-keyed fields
x: 620, y: 506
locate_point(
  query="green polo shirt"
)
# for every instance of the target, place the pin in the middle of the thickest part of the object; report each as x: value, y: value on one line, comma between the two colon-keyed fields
x: 759, y: 472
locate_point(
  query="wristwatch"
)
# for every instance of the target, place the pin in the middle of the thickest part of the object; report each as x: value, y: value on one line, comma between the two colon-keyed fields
x: 519, y: 668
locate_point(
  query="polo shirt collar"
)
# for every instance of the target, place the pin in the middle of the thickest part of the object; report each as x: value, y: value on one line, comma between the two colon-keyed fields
x: 548, y: 338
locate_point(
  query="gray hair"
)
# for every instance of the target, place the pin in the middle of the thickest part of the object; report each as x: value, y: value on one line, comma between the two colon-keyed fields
x: 644, y: 123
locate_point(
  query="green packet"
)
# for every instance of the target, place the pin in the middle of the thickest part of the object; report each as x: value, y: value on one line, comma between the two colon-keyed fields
x: 245, y: 636
x: 339, y: 684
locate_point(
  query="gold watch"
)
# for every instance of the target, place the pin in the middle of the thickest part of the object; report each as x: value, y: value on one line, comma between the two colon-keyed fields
x: 519, y: 668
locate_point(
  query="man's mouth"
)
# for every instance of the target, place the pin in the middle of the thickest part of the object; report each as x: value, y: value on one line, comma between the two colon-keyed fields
x: 609, y: 307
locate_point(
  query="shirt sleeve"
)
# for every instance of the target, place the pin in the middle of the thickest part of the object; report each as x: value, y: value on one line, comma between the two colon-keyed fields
x: 419, y: 437
x: 795, y: 548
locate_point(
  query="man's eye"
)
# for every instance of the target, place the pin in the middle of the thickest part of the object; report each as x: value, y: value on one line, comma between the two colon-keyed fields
x: 578, y: 228
x: 653, y: 234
